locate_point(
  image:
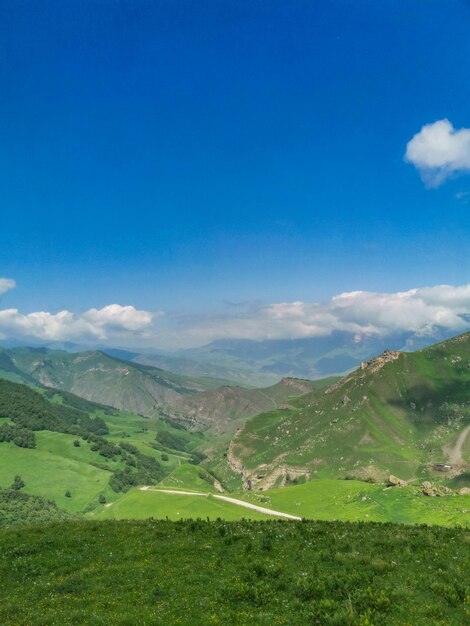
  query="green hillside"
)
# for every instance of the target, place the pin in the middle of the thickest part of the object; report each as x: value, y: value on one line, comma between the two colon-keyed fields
x: 260, y: 573
x: 400, y: 414
x: 21, y: 509
x: 198, y: 402
x: 137, y: 504
x: 218, y: 448
x: 61, y: 444
x: 323, y: 499
x: 101, y: 378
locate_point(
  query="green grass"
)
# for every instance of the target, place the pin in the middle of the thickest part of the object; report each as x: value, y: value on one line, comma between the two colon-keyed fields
x: 13, y: 377
x: 245, y: 573
x: 188, y: 477
x: 140, y: 432
x: 351, y: 500
x: 50, y: 475
x: 138, y: 504
x: 54, y: 465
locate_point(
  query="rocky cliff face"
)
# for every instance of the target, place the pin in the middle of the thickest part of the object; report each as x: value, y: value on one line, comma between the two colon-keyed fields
x: 225, y: 408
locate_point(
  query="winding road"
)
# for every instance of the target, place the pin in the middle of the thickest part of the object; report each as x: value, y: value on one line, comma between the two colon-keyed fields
x: 455, y: 456
x: 247, y: 505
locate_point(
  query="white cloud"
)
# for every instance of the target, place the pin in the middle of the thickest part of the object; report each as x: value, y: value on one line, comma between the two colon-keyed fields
x: 421, y: 311
x: 6, y: 284
x: 101, y: 324
x: 119, y: 317
x: 438, y: 151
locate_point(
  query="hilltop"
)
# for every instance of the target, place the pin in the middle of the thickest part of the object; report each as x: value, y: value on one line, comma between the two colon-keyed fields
x: 399, y: 413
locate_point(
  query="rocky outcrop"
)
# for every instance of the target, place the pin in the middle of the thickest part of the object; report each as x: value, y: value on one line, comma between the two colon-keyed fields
x: 393, y: 481
x: 235, y: 464
x: 297, y: 383
x: 376, y: 364
x: 279, y: 476
x: 431, y: 490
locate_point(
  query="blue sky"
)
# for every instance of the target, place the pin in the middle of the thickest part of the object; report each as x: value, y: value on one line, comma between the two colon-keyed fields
x: 200, y: 158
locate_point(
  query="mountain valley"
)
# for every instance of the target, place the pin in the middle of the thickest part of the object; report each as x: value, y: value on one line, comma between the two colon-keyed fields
x: 400, y: 415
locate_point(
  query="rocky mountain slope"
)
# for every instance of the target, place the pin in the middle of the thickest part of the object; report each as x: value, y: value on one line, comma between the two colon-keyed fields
x: 405, y: 414
x: 226, y: 408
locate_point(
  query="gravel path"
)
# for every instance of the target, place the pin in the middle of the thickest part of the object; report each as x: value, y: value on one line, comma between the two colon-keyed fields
x: 247, y: 505
x: 455, y: 457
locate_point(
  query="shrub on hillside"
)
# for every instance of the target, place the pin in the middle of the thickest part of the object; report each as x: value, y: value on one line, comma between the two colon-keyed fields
x: 28, y: 409
x: 18, y: 508
x: 170, y: 440
x: 18, y: 483
x: 197, y: 457
x: 21, y: 437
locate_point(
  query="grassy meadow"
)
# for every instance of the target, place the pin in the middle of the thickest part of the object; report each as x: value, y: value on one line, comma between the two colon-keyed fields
x: 352, y: 500
x: 246, y: 573
x: 328, y: 500
x: 136, y: 504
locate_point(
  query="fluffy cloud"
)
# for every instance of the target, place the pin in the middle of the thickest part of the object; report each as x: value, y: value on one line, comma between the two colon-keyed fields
x: 6, y: 284
x: 438, y: 151
x: 119, y: 318
x: 420, y: 311
x: 95, y: 324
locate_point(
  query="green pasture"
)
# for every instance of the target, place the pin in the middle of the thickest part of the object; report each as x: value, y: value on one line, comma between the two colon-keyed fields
x: 351, y: 500
x: 137, y: 504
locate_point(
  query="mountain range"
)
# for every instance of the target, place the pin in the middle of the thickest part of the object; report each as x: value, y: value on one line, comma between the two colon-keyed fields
x: 199, y: 403
x: 263, y: 363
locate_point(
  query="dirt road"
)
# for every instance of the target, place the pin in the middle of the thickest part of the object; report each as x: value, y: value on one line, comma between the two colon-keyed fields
x: 455, y: 456
x: 247, y: 505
